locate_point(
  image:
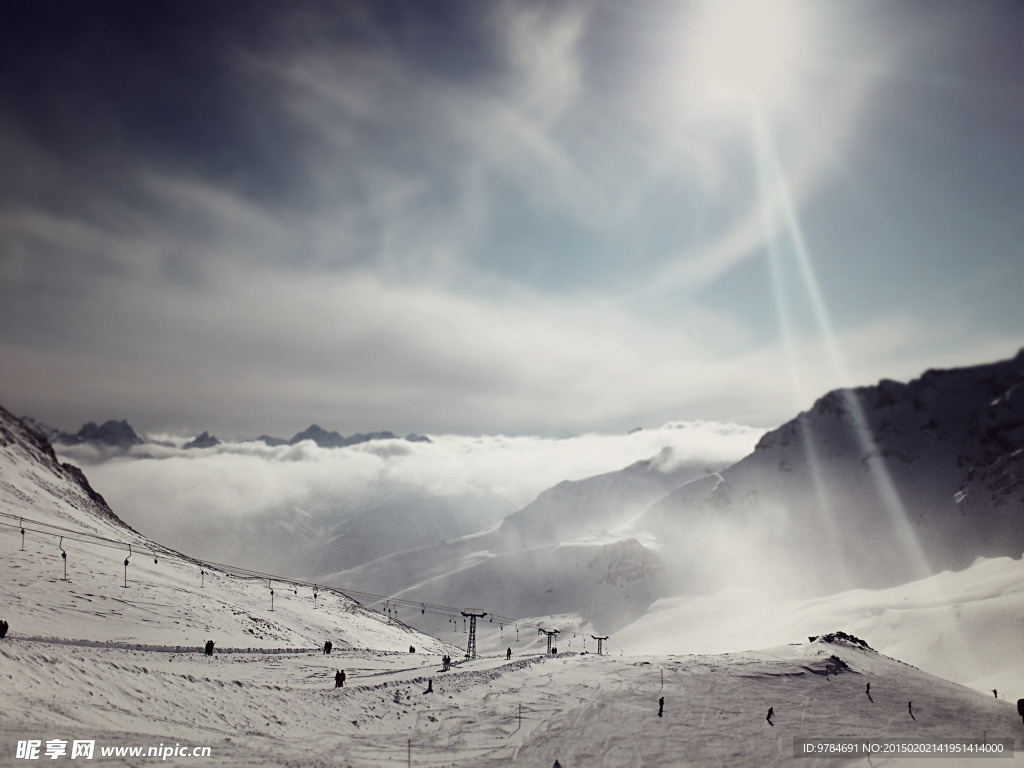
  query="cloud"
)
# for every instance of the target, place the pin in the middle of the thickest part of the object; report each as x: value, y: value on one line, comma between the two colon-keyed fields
x: 304, y: 509
x: 508, y: 219
x: 249, y: 478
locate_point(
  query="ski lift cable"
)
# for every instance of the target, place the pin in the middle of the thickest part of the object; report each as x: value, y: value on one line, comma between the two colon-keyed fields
x: 98, y: 541
x: 358, y: 596
x: 94, y: 536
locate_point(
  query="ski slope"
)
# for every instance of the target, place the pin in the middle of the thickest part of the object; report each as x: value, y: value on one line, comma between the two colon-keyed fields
x: 583, y: 710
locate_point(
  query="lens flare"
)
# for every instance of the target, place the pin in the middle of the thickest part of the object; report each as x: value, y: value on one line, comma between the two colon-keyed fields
x: 744, y: 49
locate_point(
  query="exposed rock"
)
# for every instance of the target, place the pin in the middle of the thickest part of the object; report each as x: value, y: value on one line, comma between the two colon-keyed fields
x: 205, y: 440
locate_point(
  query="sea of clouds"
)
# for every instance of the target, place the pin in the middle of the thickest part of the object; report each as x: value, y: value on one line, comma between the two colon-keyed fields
x: 189, y: 499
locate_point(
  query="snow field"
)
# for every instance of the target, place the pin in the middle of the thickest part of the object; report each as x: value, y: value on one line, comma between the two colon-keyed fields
x: 584, y: 710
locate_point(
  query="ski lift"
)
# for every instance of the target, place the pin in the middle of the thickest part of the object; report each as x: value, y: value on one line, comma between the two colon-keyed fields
x: 63, y: 555
x: 22, y: 524
x: 202, y: 578
x: 423, y: 608
x: 126, y: 566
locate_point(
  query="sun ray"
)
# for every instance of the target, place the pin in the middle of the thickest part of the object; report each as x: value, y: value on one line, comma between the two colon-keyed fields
x: 788, y: 226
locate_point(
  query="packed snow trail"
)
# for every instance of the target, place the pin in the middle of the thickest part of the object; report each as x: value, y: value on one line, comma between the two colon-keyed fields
x: 584, y: 710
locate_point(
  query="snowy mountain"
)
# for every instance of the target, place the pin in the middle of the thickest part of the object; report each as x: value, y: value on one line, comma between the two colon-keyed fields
x: 556, y: 555
x: 871, y: 487
x: 338, y: 533
x: 113, y: 434
x: 111, y: 655
x: 158, y: 597
x: 963, y: 626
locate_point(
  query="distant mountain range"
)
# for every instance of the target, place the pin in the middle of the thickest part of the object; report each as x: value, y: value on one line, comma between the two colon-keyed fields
x: 121, y: 436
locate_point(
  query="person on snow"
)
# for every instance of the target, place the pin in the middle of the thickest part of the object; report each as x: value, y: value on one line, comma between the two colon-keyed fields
x: 327, y: 647
x: 1020, y: 709
x: 910, y: 709
x: 4, y: 626
x: 868, y: 689
x: 430, y: 685
x: 508, y: 654
x: 661, y: 706
x: 339, y: 679
x: 411, y: 649
x: 771, y: 713
x: 209, y: 647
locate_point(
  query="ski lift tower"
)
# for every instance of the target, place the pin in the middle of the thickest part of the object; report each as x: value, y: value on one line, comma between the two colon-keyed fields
x: 473, y: 616
x: 550, y: 633
x: 600, y: 640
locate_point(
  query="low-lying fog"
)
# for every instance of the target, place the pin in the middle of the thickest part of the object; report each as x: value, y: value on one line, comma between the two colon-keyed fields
x: 300, y: 509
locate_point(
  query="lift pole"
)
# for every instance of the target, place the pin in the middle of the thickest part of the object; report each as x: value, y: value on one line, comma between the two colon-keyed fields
x: 600, y: 640
x: 473, y: 616
x: 550, y: 633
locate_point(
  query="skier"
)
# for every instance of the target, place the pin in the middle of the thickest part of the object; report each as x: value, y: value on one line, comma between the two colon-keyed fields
x: 868, y: 689
x: 508, y: 654
x: 209, y: 647
x: 995, y: 693
x: 661, y: 706
x: 910, y: 709
x: 4, y: 626
x: 339, y: 679
x: 771, y: 713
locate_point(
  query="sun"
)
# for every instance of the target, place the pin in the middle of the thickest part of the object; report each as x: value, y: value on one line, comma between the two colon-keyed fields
x: 745, y: 49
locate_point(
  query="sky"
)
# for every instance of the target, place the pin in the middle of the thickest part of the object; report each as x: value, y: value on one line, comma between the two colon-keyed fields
x: 505, y: 217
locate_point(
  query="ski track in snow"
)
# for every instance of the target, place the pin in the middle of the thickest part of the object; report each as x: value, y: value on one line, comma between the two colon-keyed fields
x: 584, y: 710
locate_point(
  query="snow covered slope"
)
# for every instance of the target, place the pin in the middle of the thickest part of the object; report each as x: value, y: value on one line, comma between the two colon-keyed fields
x: 170, y: 600
x: 558, y: 554
x: 965, y: 626
x: 582, y: 710
x: 872, y: 487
